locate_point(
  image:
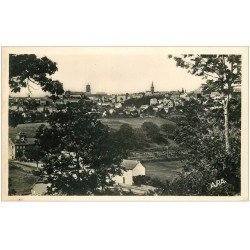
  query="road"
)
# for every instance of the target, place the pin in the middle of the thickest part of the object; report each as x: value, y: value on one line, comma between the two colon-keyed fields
x: 27, y: 166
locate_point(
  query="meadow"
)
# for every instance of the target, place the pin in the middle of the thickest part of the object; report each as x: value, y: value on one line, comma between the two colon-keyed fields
x: 28, y: 128
x: 163, y: 170
x: 114, y: 123
x: 22, y: 180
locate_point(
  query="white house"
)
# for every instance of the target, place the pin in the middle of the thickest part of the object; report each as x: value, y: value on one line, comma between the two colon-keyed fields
x: 118, y: 105
x: 153, y: 101
x: 111, y: 111
x: 169, y: 104
x: 165, y: 101
x: 106, y: 104
x: 121, y: 98
x: 215, y: 94
x: 160, y: 106
x: 14, y: 107
x: 143, y: 107
x: 40, y: 109
x: 132, y: 168
x: 185, y: 96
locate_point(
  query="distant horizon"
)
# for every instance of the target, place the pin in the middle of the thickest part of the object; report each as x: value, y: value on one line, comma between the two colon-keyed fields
x: 44, y: 94
x: 116, y: 71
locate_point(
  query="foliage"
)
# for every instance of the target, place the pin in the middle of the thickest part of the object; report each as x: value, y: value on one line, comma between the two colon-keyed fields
x: 28, y: 68
x: 141, y: 139
x: 221, y: 73
x: 148, y: 112
x: 19, y: 154
x: 169, y: 129
x: 125, y: 135
x: 141, y: 180
x: 81, y: 155
x: 15, y: 118
x: 153, y: 132
x: 137, y: 102
x: 162, y: 187
x: 207, y: 161
x: 150, y: 128
x: 199, y: 183
x: 12, y: 191
x: 211, y: 131
x: 34, y: 153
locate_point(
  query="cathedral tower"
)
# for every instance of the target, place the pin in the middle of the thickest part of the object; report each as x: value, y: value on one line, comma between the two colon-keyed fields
x: 152, y: 88
x: 88, y: 89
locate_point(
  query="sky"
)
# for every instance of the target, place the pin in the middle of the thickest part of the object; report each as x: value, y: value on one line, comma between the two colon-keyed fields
x: 118, y: 73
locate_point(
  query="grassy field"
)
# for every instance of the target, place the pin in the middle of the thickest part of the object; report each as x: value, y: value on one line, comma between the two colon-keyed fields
x: 28, y: 128
x: 22, y: 181
x: 115, y: 123
x: 163, y: 170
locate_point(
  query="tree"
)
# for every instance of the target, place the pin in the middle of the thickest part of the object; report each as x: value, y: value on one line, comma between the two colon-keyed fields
x: 168, y: 128
x: 141, y: 138
x: 19, y: 154
x: 161, y: 113
x: 81, y: 156
x: 221, y: 72
x: 150, y: 128
x: 25, y: 69
x: 34, y: 153
x: 201, y: 141
x: 28, y: 68
x: 153, y: 132
x: 15, y: 118
x: 148, y: 111
x: 125, y: 135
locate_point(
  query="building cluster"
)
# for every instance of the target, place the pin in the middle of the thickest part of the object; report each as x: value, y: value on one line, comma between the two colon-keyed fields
x: 107, y: 105
x: 141, y: 104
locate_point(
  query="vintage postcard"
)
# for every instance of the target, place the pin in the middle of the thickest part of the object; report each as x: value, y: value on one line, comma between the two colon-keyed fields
x: 125, y: 123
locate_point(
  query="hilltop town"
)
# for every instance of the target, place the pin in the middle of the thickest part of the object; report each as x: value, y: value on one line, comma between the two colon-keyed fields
x: 143, y: 104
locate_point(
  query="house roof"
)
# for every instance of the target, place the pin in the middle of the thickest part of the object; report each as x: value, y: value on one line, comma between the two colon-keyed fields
x: 129, y: 164
x: 76, y: 92
x: 215, y: 93
x: 39, y: 189
x: 28, y: 141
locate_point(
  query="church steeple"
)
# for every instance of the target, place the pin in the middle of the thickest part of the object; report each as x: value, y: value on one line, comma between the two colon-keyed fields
x: 152, y: 88
x: 88, y: 89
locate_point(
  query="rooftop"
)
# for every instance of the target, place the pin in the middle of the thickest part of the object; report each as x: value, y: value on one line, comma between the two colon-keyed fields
x: 129, y: 164
x: 27, y: 141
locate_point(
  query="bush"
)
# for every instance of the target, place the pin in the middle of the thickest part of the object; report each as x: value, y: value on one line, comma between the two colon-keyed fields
x: 199, y: 183
x: 141, y: 180
x: 162, y: 186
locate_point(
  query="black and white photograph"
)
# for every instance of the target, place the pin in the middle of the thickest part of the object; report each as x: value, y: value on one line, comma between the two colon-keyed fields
x: 124, y: 125
x: 140, y: 122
